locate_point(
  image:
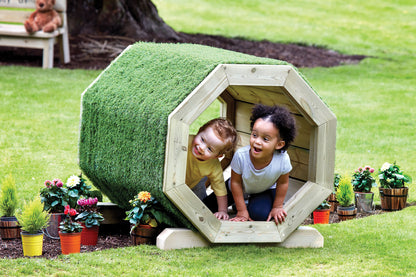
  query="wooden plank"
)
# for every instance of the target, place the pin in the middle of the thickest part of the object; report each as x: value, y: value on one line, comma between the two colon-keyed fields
x: 303, y: 237
x: 14, y: 16
x: 175, y: 154
x: 306, y: 100
x: 248, y: 232
x: 323, y: 157
x: 60, y: 5
x: 304, y: 129
x: 228, y: 106
x: 202, y: 96
x: 193, y: 208
x: 301, y: 205
x: 256, y: 75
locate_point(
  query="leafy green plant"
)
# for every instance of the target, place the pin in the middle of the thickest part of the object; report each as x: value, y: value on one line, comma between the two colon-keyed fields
x: 88, y: 212
x: 345, y: 192
x: 8, y: 196
x: 147, y: 211
x: 337, y: 177
x: 390, y: 176
x: 362, y: 181
x: 33, y: 218
x: 54, y: 196
x: 68, y: 225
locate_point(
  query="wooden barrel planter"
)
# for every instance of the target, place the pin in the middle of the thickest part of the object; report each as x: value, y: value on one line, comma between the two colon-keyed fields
x: 9, y: 228
x: 346, y: 213
x: 393, y: 199
x: 332, y: 200
x: 144, y: 234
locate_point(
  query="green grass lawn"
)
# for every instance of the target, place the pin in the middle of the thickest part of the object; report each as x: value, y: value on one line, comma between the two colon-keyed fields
x: 374, y: 102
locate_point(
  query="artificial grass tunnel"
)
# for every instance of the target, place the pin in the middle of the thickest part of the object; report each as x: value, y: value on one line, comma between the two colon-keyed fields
x: 135, y: 120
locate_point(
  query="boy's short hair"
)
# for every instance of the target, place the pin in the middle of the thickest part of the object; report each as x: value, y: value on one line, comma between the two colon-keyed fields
x: 282, y: 119
x: 225, y: 130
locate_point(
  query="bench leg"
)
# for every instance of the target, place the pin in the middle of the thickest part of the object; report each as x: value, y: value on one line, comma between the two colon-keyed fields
x: 64, y: 48
x: 48, y: 54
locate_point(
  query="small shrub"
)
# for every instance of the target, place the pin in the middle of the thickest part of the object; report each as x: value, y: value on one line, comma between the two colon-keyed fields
x: 33, y: 218
x: 8, y: 197
x: 345, y: 192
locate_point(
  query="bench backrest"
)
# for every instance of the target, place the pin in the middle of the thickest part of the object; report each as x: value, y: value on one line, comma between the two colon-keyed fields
x: 17, y: 11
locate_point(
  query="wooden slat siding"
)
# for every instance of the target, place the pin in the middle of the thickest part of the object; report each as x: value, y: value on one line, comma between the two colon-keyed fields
x: 299, y: 158
x: 264, y: 95
x: 298, y: 209
x: 195, y: 211
x: 30, y: 4
x: 304, y: 129
x: 306, y: 100
x: 14, y: 16
x: 257, y: 75
x: 227, y: 106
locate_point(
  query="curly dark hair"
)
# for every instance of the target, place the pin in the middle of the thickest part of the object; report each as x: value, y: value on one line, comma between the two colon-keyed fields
x: 280, y: 117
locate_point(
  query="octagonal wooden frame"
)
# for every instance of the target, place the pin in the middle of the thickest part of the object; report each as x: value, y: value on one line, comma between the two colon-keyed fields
x: 238, y: 87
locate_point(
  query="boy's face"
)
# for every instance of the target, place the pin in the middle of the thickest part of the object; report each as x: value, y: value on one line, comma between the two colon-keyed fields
x: 206, y: 145
x: 264, y: 139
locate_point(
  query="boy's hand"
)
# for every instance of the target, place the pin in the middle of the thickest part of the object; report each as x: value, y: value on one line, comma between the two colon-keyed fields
x: 221, y: 215
x: 242, y: 216
x: 278, y: 214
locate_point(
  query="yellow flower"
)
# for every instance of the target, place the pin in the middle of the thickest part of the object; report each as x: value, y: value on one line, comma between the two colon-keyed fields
x: 144, y: 196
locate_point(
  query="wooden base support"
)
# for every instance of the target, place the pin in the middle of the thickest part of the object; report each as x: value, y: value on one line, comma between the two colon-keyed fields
x: 303, y: 237
x: 177, y: 238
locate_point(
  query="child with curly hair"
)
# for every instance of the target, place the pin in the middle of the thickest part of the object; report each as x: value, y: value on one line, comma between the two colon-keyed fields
x: 261, y: 170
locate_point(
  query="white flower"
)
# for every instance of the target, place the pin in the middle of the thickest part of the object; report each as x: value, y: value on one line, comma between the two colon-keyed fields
x: 72, y: 181
x: 385, y: 166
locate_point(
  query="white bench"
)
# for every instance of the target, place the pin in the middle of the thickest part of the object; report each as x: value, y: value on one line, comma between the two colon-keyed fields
x: 13, y: 14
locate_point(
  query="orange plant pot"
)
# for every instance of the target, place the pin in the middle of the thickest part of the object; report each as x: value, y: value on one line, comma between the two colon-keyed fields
x: 321, y: 216
x: 89, y: 236
x: 70, y: 242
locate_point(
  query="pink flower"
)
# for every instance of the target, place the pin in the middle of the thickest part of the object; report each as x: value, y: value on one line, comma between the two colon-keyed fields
x: 360, y: 169
x: 48, y: 183
x: 59, y: 184
x: 371, y: 170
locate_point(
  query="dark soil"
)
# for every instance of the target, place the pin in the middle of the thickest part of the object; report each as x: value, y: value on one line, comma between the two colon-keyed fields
x: 96, y: 52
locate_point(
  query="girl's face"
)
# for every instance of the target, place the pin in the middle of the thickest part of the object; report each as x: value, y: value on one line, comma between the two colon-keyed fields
x: 206, y: 145
x: 264, y: 139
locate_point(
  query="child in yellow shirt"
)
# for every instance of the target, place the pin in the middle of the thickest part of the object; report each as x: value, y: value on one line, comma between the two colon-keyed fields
x: 214, y: 139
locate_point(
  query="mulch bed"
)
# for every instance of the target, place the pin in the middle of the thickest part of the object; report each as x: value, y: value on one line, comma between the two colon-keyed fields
x: 96, y: 52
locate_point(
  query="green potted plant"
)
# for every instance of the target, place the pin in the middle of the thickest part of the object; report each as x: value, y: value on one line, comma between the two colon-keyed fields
x: 145, y: 217
x: 393, y: 193
x: 363, y: 182
x: 70, y: 232
x: 345, y: 196
x: 9, y: 226
x: 90, y: 219
x: 33, y: 218
x: 321, y: 213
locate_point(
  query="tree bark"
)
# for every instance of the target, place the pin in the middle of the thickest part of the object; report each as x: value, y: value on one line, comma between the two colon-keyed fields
x: 137, y: 19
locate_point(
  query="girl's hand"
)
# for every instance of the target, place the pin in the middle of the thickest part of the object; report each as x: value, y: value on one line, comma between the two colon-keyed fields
x: 278, y: 214
x: 221, y: 215
x: 242, y: 216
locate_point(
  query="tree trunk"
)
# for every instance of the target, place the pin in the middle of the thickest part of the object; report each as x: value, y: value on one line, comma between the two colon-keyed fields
x: 137, y: 19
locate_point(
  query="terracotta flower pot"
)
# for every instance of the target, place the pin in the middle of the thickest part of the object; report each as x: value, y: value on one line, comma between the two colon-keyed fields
x: 89, y: 236
x: 321, y: 216
x: 70, y: 242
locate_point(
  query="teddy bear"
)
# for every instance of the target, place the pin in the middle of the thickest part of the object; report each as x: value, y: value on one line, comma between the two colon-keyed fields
x: 43, y: 18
